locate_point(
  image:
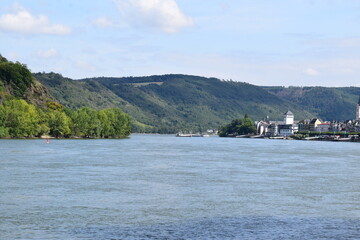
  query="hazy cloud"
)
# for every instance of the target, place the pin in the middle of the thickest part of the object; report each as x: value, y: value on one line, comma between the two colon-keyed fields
x: 102, y: 22
x: 349, y: 42
x: 164, y: 15
x: 47, y: 53
x: 85, y: 66
x: 21, y: 21
x: 311, y: 72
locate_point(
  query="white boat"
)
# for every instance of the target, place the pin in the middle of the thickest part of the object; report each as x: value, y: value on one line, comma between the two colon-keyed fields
x: 191, y: 135
x: 342, y: 139
x: 183, y: 135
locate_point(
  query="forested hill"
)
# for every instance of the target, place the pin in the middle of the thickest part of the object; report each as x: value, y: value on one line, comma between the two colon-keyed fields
x: 17, y: 81
x: 27, y: 110
x: 326, y: 103
x: 171, y: 103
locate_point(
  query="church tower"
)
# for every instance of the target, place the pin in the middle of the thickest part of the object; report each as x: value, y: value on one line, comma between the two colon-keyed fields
x: 288, y: 118
x: 358, y: 110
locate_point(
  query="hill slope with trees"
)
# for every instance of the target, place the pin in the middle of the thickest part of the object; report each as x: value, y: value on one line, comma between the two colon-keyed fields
x: 27, y: 110
x: 326, y: 103
x: 175, y: 102
x: 17, y: 81
x: 171, y: 103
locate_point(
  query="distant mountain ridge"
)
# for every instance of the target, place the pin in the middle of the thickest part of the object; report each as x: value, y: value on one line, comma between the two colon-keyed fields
x: 175, y: 102
x: 170, y: 103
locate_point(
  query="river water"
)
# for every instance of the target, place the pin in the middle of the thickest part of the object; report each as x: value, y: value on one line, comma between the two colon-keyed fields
x: 163, y: 187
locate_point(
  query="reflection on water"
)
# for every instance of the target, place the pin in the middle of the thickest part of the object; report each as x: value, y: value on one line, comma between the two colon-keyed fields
x: 162, y: 187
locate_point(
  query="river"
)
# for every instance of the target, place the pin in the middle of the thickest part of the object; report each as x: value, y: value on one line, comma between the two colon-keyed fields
x: 163, y: 187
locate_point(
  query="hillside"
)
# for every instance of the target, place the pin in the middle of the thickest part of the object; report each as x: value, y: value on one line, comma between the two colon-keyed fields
x: 27, y: 110
x: 171, y: 103
x: 16, y: 81
x: 326, y: 103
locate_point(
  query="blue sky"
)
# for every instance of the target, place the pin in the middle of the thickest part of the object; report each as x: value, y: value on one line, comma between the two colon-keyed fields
x: 262, y: 42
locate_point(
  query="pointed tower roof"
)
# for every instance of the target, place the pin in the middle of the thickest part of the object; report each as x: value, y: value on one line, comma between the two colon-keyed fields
x: 288, y: 113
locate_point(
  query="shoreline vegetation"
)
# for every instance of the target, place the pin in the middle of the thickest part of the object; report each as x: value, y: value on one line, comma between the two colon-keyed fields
x: 21, y: 120
x: 238, y: 127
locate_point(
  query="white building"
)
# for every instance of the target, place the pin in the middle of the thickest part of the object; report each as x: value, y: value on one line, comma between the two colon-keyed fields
x: 358, y: 111
x: 288, y: 128
x: 274, y: 128
x: 288, y: 118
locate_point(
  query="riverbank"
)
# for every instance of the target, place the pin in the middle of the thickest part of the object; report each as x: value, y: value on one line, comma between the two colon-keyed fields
x: 333, y: 138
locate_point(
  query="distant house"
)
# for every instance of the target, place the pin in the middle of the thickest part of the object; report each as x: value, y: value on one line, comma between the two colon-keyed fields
x: 313, y: 124
x: 323, y: 127
x: 304, y: 125
x: 262, y: 127
x: 272, y: 129
x: 286, y: 130
x: 357, y: 126
x: 289, y: 127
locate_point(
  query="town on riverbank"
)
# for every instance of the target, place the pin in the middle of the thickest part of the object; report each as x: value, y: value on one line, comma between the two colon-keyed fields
x: 308, y: 129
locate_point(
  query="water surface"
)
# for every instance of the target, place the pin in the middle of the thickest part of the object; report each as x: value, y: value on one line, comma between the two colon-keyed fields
x: 163, y: 187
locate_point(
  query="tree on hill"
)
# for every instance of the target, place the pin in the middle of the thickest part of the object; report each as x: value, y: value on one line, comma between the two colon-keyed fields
x: 241, y: 126
x: 17, y: 76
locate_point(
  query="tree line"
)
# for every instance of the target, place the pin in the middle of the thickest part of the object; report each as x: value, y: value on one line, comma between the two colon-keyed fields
x: 20, y: 119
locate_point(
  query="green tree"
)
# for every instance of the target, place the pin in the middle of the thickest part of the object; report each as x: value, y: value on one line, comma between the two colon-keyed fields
x: 121, y: 124
x: 238, y: 127
x: 59, y: 124
x: 4, y: 131
x: 107, y: 128
x: 86, y: 122
x: 247, y: 126
x: 21, y: 118
x: 114, y: 123
x: 17, y: 76
x: 43, y: 123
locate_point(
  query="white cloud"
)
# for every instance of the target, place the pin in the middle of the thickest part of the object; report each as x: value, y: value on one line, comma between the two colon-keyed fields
x: 21, y: 21
x: 47, y: 53
x: 164, y: 15
x: 102, y: 22
x: 311, y: 72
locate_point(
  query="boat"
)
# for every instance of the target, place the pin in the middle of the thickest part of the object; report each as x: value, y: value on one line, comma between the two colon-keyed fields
x: 191, y: 135
x: 183, y: 135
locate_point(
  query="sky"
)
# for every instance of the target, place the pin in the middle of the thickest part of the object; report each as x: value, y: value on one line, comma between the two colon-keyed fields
x: 261, y: 42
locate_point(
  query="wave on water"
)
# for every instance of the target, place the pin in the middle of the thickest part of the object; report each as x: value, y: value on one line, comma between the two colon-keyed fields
x: 231, y: 228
